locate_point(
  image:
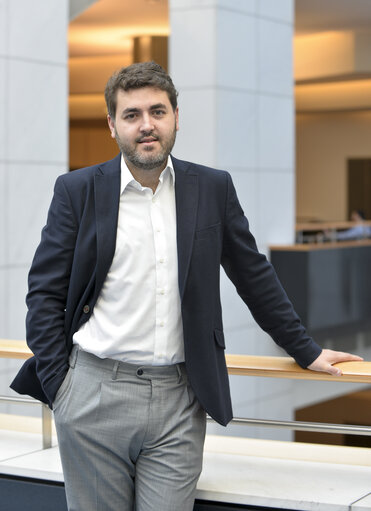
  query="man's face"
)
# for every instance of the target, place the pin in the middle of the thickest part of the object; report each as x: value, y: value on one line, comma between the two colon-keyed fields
x: 144, y: 127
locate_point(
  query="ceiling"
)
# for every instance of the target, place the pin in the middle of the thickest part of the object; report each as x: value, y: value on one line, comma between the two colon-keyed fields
x: 334, y: 37
x: 108, y: 26
x: 324, y: 15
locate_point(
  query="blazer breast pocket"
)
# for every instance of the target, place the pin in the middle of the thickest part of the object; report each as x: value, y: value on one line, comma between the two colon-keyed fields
x: 209, y: 232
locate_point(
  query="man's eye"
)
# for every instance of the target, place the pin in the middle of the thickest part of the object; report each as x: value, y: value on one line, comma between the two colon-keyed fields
x: 159, y: 113
x: 129, y: 117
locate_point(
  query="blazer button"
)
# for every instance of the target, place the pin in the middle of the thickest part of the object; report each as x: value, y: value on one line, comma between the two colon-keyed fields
x: 86, y: 309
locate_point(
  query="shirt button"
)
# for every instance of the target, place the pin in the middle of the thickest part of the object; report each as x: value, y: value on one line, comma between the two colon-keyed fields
x: 86, y: 309
x: 139, y: 372
x: 162, y: 291
x: 161, y: 323
x: 161, y: 261
x: 154, y: 200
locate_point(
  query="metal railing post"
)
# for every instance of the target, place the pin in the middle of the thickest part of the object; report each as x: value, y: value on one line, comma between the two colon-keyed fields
x: 46, y: 426
x: 46, y: 418
x: 318, y: 427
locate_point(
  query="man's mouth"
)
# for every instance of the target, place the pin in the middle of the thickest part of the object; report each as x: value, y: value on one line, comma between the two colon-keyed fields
x: 147, y: 140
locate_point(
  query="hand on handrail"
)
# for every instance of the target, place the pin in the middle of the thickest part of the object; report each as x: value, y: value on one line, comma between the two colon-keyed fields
x: 324, y: 362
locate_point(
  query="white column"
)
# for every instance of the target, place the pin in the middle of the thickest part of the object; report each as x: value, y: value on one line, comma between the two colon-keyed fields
x: 33, y: 144
x: 232, y: 63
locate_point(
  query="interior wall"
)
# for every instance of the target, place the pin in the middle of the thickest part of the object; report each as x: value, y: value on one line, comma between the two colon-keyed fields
x: 324, y: 142
x: 33, y: 149
x: 89, y: 75
x: 90, y: 143
x: 236, y: 105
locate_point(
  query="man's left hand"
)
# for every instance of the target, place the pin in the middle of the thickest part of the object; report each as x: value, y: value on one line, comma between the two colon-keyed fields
x: 324, y: 362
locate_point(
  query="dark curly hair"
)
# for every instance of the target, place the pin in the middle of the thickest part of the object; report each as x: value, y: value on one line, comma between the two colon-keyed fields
x: 136, y: 76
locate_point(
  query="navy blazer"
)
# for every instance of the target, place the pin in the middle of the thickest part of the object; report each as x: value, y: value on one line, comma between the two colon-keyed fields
x: 76, y: 251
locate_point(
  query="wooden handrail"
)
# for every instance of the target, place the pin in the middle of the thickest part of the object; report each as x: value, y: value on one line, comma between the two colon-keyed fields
x: 286, y: 367
x: 244, y: 365
x: 14, y: 349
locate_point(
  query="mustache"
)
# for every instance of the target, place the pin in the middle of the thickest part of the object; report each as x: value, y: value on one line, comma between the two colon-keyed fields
x: 146, y: 135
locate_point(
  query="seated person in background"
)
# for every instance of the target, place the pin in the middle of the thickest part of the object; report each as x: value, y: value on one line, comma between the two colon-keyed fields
x: 359, y: 231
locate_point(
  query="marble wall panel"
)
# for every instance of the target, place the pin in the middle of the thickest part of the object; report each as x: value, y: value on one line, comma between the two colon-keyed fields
x: 246, y: 182
x: 4, y: 279
x: 268, y: 388
x: 236, y: 41
x: 8, y: 370
x: 275, y: 74
x: 33, y: 133
x: 267, y: 347
x: 282, y: 10
x: 246, y: 127
x: 3, y: 218
x: 243, y: 6
x: 197, y: 118
x: 3, y: 27
x: 16, y: 307
x: 278, y: 407
x: 30, y: 188
x: 276, y: 211
x: 38, y: 119
x: 244, y: 395
x: 192, y: 33
x: 276, y: 132
x: 245, y: 404
x: 47, y: 43
x: 236, y: 314
x: 254, y: 341
x: 3, y: 106
x: 247, y: 411
x: 236, y: 129
x: 242, y: 341
x: 306, y: 393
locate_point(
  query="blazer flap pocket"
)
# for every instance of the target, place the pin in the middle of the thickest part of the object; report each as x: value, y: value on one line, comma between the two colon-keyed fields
x: 219, y: 338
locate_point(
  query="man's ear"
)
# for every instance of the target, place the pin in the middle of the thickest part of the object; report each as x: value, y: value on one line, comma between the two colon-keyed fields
x: 111, y: 125
x: 177, y: 118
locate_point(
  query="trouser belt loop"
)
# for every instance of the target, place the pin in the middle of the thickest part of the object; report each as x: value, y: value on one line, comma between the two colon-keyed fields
x: 73, y: 355
x: 115, y: 369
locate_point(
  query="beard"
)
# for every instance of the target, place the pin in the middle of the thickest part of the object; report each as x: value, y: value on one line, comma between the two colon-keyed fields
x: 150, y: 158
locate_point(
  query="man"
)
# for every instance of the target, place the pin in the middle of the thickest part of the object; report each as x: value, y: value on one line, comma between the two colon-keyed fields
x: 359, y: 231
x: 124, y: 314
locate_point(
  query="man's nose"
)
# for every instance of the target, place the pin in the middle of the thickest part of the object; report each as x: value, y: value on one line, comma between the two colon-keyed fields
x: 146, y: 124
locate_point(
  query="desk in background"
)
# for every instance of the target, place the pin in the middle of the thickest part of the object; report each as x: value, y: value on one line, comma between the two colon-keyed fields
x: 328, y: 283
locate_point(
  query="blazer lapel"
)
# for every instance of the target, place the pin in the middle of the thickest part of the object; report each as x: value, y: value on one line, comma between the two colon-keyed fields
x: 107, y: 197
x: 186, y: 196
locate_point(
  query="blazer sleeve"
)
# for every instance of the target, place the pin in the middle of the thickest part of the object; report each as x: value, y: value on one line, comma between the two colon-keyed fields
x: 258, y: 285
x: 48, y: 283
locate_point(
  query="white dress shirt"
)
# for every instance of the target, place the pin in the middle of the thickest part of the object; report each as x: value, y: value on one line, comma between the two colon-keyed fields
x: 137, y: 317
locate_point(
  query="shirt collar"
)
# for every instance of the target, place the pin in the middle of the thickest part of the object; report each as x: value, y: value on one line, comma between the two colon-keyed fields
x: 127, y: 176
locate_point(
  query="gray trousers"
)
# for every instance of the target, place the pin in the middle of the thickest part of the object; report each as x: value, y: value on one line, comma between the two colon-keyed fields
x: 130, y: 437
